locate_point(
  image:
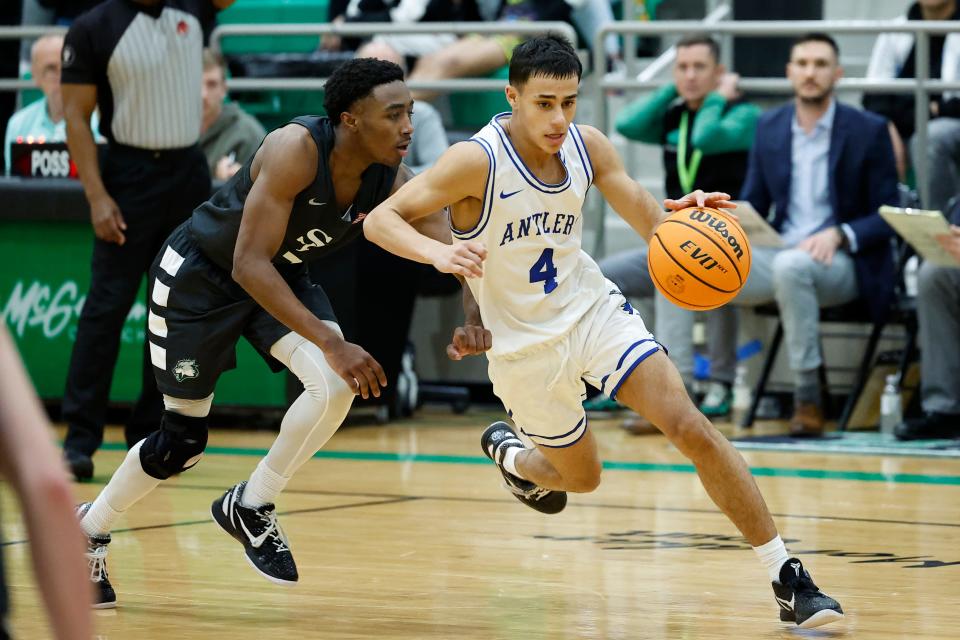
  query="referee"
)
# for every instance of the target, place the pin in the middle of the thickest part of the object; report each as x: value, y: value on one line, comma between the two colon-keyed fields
x: 140, y: 62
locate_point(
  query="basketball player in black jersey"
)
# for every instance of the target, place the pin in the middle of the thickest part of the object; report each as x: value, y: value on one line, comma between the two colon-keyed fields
x: 237, y: 268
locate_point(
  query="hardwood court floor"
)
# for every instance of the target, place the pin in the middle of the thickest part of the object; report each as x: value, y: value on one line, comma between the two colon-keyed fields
x: 403, y: 531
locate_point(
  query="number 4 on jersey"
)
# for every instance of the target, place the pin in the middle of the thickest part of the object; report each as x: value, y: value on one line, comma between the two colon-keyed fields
x: 544, y: 271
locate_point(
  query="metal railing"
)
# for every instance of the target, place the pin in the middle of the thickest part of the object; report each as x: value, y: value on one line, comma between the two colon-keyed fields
x: 921, y: 87
x: 373, y: 28
x: 318, y: 29
x: 665, y: 59
x: 21, y: 33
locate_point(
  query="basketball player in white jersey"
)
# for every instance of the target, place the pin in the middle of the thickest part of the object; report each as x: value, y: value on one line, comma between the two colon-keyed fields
x: 515, y: 192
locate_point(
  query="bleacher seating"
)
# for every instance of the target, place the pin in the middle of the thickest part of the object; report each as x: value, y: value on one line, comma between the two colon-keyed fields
x: 273, y: 12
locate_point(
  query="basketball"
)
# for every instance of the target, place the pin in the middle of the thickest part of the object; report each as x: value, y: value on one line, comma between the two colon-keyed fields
x: 699, y: 258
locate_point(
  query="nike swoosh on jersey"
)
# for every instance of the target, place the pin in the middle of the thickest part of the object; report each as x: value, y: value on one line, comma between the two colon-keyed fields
x: 504, y: 196
x: 316, y: 204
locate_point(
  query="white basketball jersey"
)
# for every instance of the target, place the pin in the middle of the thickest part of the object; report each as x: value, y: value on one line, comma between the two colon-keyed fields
x: 537, y: 281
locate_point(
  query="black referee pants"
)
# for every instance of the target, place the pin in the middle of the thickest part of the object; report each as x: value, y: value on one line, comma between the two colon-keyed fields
x: 155, y: 191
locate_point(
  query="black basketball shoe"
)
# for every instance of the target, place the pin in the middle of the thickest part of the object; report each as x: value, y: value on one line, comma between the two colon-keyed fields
x: 80, y: 464
x: 260, y: 534
x: 104, y: 597
x: 495, y: 441
x: 801, y: 601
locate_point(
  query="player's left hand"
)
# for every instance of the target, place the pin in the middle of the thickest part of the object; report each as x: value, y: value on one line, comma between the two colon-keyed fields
x: 469, y: 340
x: 713, y: 199
x: 823, y: 245
x: 461, y: 259
x: 951, y: 241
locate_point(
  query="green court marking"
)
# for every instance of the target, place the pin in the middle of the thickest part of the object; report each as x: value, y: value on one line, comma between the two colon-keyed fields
x: 654, y: 467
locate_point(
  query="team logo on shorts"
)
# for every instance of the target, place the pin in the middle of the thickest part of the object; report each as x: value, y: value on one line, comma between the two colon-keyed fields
x: 186, y: 369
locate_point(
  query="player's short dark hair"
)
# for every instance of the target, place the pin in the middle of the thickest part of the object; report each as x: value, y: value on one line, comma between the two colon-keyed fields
x: 816, y: 36
x: 550, y: 56
x: 697, y: 39
x: 355, y: 80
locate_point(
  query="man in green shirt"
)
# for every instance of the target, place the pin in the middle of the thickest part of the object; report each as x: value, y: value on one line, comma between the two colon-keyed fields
x: 706, y: 130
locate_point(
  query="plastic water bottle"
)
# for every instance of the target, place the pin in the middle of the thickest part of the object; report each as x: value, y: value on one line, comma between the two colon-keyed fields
x: 890, y: 412
x: 741, y: 393
x: 910, y: 276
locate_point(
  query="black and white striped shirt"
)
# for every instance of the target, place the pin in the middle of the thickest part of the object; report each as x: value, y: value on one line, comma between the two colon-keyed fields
x: 146, y: 63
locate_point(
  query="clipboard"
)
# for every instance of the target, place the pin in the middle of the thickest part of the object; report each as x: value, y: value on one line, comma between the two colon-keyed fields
x: 758, y: 230
x: 920, y: 228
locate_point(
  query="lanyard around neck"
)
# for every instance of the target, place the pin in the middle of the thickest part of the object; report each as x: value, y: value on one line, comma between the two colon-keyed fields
x: 687, y: 173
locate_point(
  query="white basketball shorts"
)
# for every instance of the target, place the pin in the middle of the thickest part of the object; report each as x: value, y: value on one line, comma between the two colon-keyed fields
x: 543, y: 389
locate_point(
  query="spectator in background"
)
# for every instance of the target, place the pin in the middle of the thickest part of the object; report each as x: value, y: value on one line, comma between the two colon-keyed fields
x: 399, y: 11
x: 477, y: 55
x: 429, y: 138
x: 152, y: 177
x: 30, y: 464
x: 706, y: 129
x: 48, y: 12
x: 825, y: 168
x: 42, y: 121
x: 938, y: 313
x: 894, y: 56
x: 228, y: 135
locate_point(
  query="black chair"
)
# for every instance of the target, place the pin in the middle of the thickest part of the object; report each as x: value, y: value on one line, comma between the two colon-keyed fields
x: 903, y: 312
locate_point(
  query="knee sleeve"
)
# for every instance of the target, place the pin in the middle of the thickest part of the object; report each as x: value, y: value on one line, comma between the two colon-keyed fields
x: 313, y: 417
x: 320, y: 381
x: 307, y: 362
x: 177, y: 446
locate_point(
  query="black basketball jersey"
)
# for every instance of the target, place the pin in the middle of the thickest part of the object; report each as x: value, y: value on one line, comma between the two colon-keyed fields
x: 316, y: 225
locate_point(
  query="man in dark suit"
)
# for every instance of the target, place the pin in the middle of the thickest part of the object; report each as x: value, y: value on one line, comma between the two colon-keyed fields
x: 825, y: 168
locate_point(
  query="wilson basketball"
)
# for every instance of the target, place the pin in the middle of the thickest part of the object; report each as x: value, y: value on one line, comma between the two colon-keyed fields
x: 699, y: 258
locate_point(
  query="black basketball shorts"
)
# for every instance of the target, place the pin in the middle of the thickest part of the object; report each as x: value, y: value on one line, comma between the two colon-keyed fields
x: 198, y: 313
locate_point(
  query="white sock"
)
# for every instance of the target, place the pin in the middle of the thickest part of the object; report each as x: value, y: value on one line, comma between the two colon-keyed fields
x: 772, y: 555
x: 264, y: 486
x: 128, y: 485
x: 99, y: 518
x: 510, y: 460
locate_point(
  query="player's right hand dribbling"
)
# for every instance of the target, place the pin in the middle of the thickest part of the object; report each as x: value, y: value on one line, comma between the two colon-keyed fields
x: 463, y: 258
x: 360, y: 371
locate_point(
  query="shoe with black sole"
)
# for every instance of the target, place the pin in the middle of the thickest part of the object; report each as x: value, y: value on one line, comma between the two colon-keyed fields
x: 257, y: 529
x: 495, y: 441
x: 801, y: 601
x: 80, y: 464
x: 930, y: 426
x: 104, y: 597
